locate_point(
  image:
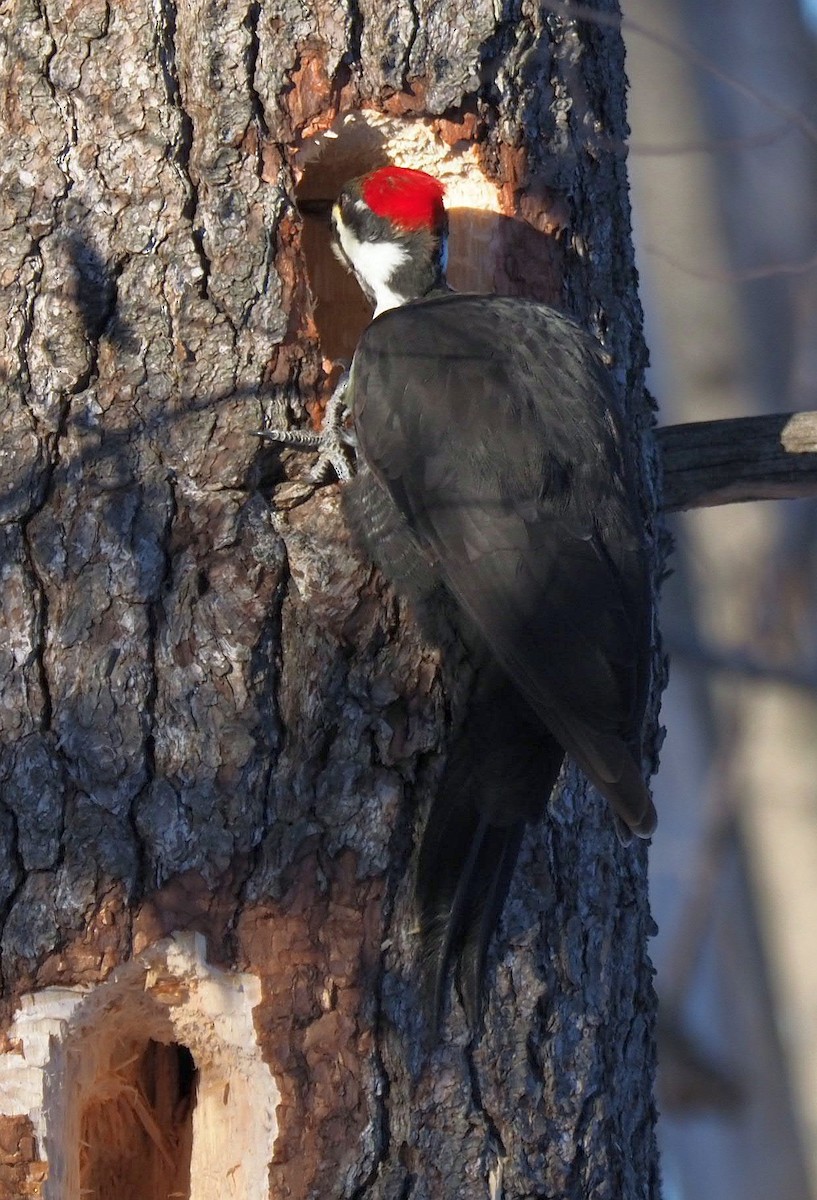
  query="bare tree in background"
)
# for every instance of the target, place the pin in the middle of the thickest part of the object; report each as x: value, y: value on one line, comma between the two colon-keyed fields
x: 723, y: 165
x: 216, y: 718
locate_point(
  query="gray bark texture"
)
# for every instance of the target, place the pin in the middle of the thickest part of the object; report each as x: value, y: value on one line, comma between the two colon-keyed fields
x: 215, y: 715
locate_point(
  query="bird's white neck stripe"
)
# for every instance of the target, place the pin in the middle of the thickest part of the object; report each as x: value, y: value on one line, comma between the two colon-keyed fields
x: 375, y: 264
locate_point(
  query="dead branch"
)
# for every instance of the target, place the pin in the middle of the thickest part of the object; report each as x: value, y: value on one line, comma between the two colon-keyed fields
x: 770, y: 457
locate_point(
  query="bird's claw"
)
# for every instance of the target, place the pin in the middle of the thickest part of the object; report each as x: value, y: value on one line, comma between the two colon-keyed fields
x: 332, y: 444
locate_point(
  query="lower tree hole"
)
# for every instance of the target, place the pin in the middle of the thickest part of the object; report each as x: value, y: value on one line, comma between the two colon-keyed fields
x: 136, y: 1131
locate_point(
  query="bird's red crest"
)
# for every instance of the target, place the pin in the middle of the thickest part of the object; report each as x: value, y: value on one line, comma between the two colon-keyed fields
x: 411, y: 199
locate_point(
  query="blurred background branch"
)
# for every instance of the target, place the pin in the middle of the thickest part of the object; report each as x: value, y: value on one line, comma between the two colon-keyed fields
x: 771, y: 457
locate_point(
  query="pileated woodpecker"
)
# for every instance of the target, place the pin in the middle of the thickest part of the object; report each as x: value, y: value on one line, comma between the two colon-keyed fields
x: 494, y: 481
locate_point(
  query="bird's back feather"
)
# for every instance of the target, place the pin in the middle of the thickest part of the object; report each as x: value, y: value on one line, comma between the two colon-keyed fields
x: 493, y: 450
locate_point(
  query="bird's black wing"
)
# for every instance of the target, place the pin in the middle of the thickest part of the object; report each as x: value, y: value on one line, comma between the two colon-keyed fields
x: 492, y: 425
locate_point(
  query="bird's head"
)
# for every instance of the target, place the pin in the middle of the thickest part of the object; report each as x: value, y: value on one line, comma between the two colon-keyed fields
x: 390, y: 227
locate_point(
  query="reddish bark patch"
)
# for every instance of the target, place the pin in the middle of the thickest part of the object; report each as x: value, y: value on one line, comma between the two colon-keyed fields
x: 272, y: 161
x: 289, y: 266
x: 317, y: 953
x: 22, y: 1172
x: 532, y: 260
x: 410, y: 102
x: 87, y: 957
x: 91, y: 955
x: 296, y: 359
x: 188, y: 903
x: 464, y: 127
x: 309, y: 99
x: 544, y: 209
x: 513, y: 169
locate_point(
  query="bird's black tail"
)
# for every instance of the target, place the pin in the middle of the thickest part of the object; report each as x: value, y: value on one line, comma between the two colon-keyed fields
x: 499, y: 775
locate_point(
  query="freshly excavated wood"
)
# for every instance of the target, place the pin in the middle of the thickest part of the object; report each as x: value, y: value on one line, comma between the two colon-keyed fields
x: 152, y: 1084
x: 771, y: 457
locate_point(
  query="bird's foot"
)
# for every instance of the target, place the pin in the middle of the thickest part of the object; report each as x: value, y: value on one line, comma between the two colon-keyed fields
x: 334, y: 444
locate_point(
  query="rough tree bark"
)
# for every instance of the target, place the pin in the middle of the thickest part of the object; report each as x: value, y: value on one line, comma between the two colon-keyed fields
x: 216, y: 718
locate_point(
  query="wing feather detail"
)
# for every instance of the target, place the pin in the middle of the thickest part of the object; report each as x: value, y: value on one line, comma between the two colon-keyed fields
x: 511, y: 471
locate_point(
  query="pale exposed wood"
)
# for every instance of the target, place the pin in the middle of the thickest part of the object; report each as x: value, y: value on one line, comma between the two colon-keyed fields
x: 771, y: 457
x: 153, y: 1080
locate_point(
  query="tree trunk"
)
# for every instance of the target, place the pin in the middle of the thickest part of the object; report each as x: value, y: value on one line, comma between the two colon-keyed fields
x: 220, y: 729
